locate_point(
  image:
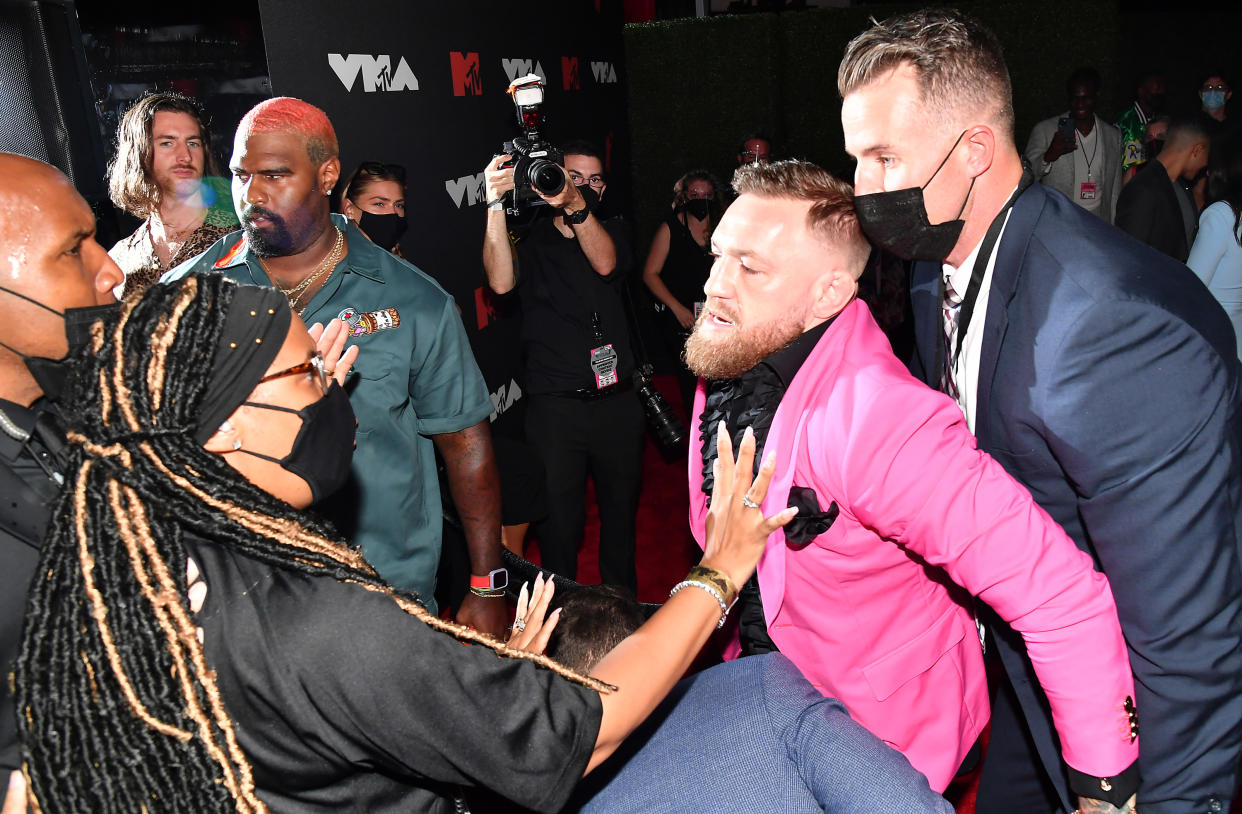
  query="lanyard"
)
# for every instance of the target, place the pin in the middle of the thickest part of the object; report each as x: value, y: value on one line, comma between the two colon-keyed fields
x: 1083, y: 144
x: 981, y: 264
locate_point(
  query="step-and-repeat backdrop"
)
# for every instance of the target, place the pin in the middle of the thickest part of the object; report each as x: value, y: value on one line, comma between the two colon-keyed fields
x: 423, y: 84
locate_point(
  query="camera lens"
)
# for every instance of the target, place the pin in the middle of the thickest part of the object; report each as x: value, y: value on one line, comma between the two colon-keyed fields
x: 670, y: 433
x: 546, y: 176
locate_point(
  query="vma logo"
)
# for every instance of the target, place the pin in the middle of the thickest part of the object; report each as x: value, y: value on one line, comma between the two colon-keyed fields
x: 521, y: 67
x: 465, y: 191
x: 605, y: 74
x: 377, y: 72
x: 569, y: 73
x: 467, y: 80
x: 504, y: 398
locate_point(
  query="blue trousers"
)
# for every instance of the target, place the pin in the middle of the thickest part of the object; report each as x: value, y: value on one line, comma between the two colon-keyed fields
x: 753, y: 735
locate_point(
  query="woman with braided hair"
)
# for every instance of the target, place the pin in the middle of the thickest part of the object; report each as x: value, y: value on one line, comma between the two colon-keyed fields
x: 203, y: 424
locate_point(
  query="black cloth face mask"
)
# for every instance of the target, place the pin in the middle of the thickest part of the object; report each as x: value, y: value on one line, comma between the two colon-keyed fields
x: 52, y: 374
x: 384, y: 230
x: 698, y: 207
x: 324, y: 446
x: 897, y: 221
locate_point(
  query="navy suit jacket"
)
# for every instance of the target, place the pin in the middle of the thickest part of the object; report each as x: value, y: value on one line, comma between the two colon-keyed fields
x: 1109, y: 386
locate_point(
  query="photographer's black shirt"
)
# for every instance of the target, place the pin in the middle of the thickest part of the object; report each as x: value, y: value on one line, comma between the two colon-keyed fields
x: 559, y: 292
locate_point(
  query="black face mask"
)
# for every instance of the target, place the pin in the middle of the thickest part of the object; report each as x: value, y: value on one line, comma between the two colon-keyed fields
x: 897, y: 221
x: 324, y: 446
x: 589, y: 196
x: 1156, y: 102
x: 384, y: 230
x: 52, y: 374
x: 697, y: 207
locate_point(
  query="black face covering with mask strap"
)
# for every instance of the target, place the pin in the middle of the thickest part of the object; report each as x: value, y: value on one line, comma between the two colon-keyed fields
x: 51, y: 374
x: 697, y: 207
x: 897, y: 221
x: 384, y: 230
x: 324, y: 446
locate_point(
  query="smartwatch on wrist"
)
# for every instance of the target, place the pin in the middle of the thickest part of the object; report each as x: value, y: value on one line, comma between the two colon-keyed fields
x: 496, y: 580
x: 577, y: 217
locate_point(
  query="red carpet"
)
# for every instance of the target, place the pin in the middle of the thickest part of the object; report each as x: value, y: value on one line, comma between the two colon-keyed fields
x: 665, y: 549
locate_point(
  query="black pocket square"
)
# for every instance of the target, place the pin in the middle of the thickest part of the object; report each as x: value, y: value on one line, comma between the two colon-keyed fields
x: 810, y: 522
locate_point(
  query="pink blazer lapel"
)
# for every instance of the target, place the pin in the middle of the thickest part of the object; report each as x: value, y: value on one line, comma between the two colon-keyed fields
x: 783, y: 438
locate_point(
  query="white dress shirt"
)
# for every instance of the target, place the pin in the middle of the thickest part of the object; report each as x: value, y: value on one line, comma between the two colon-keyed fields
x: 965, y: 372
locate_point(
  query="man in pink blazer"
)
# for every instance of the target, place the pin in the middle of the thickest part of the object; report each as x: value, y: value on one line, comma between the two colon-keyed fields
x: 901, y: 518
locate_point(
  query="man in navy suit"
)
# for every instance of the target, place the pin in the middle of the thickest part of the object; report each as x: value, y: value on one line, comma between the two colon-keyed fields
x: 1099, y: 374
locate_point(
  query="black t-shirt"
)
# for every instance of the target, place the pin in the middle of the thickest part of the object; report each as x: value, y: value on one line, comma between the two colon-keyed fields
x: 559, y: 293
x: 343, y: 702
x: 28, y: 490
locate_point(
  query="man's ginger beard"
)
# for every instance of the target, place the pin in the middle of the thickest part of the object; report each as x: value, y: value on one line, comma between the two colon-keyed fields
x: 732, y: 355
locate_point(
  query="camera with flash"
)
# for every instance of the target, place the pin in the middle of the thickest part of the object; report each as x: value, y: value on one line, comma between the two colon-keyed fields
x: 536, y: 164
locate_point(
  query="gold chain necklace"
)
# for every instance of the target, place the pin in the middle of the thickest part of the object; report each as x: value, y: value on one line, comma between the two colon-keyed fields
x: 294, y: 295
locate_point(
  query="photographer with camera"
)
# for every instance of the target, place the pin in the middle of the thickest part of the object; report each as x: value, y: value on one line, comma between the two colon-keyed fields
x: 583, y: 413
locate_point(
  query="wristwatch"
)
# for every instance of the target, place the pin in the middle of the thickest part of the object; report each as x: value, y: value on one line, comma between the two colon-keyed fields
x: 496, y: 580
x: 577, y: 217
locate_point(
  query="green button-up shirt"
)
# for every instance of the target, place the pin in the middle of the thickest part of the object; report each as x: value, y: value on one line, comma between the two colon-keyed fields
x: 415, y: 377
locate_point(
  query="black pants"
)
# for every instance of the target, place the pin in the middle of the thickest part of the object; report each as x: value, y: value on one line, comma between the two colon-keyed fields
x: 604, y: 438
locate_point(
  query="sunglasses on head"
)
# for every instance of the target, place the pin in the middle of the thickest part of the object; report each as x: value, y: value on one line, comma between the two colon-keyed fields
x: 379, y: 168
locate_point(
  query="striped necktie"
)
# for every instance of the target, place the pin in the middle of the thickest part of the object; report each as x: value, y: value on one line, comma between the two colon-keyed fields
x: 950, y: 308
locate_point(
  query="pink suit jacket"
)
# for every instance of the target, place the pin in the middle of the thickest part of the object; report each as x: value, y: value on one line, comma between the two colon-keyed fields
x: 871, y: 610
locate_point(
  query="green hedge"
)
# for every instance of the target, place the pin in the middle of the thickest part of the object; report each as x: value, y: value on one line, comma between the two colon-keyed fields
x: 697, y: 85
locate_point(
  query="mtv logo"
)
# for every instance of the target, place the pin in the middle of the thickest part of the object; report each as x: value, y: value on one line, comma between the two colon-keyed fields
x: 467, y: 190
x: 522, y: 67
x: 467, y: 79
x: 376, y: 71
x: 569, y: 73
x: 605, y: 74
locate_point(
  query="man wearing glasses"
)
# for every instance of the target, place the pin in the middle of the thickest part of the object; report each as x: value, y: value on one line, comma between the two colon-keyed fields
x: 582, y: 412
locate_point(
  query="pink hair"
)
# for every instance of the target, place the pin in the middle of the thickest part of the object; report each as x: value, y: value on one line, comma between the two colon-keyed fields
x: 285, y: 114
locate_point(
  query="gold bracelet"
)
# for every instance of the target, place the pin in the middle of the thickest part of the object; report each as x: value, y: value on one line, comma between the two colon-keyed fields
x: 720, y: 579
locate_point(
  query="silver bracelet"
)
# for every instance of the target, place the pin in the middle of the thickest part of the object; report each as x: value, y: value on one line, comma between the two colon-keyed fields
x: 499, y: 203
x: 711, y: 589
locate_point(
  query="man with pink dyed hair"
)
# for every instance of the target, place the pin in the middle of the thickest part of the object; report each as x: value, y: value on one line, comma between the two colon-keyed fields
x: 415, y: 387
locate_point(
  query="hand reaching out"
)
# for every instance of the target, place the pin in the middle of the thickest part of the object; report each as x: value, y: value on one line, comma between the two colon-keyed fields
x: 330, y: 342
x: 736, y: 529
x: 532, y: 626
